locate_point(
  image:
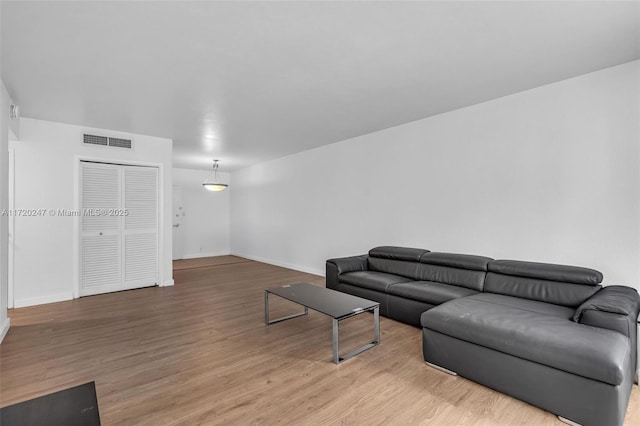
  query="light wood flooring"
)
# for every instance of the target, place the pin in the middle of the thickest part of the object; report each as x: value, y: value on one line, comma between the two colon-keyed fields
x: 202, y: 262
x: 199, y: 353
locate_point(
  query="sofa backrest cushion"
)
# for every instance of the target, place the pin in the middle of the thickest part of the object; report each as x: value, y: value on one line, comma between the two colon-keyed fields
x: 395, y: 260
x: 454, y: 260
x: 397, y: 253
x: 462, y: 270
x: 547, y: 271
x: 396, y: 267
x: 558, y: 284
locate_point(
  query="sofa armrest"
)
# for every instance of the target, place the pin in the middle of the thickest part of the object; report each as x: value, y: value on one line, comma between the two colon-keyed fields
x: 335, y: 267
x: 613, y: 307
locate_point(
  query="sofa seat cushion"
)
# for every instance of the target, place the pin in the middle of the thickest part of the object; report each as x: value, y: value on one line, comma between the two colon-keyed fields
x: 378, y: 281
x: 535, y: 331
x: 429, y: 291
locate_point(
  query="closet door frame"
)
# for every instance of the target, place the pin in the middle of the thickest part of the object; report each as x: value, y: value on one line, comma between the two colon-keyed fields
x: 77, y: 232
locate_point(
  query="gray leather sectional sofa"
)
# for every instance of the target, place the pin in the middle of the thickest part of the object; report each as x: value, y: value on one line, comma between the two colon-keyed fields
x: 549, y: 335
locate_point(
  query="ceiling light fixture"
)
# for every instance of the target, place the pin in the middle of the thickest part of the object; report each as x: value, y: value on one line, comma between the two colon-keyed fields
x: 213, y: 183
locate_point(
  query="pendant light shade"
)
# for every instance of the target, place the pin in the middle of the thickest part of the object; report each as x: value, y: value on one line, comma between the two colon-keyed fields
x: 213, y: 183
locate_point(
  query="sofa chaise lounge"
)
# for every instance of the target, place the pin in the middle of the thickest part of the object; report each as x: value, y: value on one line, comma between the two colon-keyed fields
x: 549, y: 335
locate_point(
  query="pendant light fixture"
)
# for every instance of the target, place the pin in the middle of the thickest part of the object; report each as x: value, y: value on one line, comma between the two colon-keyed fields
x: 213, y: 183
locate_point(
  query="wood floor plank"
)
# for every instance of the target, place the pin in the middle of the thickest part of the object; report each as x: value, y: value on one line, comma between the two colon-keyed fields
x: 201, y: 262
x: 199, y: 353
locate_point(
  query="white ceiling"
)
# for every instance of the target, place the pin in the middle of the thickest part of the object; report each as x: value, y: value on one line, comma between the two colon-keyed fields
x: 249, y: 81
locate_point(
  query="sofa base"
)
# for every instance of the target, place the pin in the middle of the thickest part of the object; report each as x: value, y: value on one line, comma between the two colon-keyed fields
x: 406, y: 310
x: 367, y: 293
x: 567, y: 421
x: 391, y: 306
x: 579, y: 399
x: 444, y: 370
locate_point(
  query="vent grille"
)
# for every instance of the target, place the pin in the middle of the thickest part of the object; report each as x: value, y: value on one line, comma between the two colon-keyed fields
x: 96, y: 140
x: 120, y: 143
x: 107, y: 141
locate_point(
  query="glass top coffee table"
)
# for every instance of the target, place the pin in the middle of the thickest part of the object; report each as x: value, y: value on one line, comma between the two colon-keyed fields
x: 335, y: 304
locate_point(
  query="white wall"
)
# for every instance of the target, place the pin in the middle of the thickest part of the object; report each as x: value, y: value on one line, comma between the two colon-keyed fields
x: 4, y: 203
x: 206, y: 221
x: 46, y: 161
x: 5, y: 102
x: 549, y: 175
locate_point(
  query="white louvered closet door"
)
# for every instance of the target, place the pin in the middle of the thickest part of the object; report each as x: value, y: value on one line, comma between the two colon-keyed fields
x: 101, y: 240
x: 119, y: 227
x: 140, y: 226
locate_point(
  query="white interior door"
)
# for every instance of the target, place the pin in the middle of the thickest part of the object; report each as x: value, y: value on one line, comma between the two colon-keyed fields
x: 101, y: 233
x: 118, y: 227
x: 140, y: 226
x: 178, y: 228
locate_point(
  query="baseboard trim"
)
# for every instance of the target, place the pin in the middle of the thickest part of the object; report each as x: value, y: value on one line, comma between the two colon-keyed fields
x: 5, y: 329
x: 52, y: 298
x: 300, y: 268
x: 210, y: 254
x: 168, y: 283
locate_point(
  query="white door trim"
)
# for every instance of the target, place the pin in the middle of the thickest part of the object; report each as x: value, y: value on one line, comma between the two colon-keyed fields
x: 11, y: 242
x: 77, y: 234
x: 180, y: 247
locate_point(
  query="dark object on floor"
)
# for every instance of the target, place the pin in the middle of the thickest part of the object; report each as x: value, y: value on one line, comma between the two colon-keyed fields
x: 76, y: 406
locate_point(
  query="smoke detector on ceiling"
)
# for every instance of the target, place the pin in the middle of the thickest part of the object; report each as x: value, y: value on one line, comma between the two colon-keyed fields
x: 13, y: 111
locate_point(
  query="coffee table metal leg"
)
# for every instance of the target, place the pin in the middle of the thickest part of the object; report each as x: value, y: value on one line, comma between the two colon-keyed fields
x: 267, y: 321
x: 376, y: 325
x: 336, y: 357
x: 376, y: 338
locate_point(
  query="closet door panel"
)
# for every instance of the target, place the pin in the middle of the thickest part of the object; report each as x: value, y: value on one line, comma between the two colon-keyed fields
x: 101, y: 270
x: 140, y: 226
x: 101, y: 232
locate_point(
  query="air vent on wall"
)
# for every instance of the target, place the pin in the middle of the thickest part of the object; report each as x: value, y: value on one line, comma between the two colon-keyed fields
x: 107, y: 141
x: 120, y: 143
x: 96, y: 140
